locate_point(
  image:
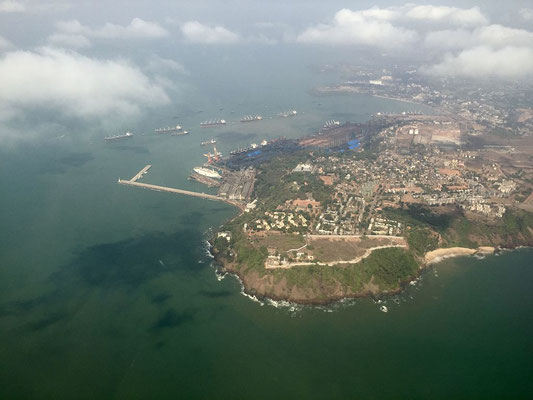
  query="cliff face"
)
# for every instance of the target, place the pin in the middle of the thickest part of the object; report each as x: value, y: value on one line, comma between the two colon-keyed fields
x: 314, y: 284
x: 315, y: 293
x: 323, y: 286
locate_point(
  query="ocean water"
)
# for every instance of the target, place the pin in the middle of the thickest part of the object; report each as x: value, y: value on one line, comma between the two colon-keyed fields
x: 108, y: 292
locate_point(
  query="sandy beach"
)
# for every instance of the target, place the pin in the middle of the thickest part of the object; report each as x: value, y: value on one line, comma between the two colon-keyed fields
x: 440, y: 254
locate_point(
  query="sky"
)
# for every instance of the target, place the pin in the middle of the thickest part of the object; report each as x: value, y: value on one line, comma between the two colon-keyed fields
x: 79, y: 57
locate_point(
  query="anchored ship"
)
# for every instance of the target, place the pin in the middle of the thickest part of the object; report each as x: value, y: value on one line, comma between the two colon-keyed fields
x: 213, y: 122
x: 123, y: 136
x: 331, y: 124
x: 208, y: 142
x: 253, y: 146
x: 179, y: 133
x: 168, y: 129
x: 251, y: 118
x: 207, y: 172
x: 286, y: 114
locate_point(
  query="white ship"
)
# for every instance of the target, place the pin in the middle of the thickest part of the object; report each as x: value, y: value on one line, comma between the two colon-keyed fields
x: 213, y: 122
x: 286, y: 114
x: 168, y: 129
x: 250, y: 118
x: 179, y: 133
x: 331, y: 124
x: 208, y: 172
x: 116, y: 137
x: 208, y: 142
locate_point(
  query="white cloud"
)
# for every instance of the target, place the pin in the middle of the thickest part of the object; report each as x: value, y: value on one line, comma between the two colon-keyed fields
x: 506, y: 63
x: 137, y: 28
x: 10, y: 6
x: 74, y: 34
x: 367, y: 27
x: 449, y: 39
x: 69, y: 40
x: 390, y: 27
x: 74, y: 84
x: 196, y: 32
x: 159, y: 64
x: 496, y: 36
x: 472, y: 46
x: 502, y: 36
x: 453, y: 15
x: 527, y: 14
x: 4, y: 44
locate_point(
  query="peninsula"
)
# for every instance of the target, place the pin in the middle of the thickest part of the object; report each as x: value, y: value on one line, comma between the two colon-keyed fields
x: 361, y: 209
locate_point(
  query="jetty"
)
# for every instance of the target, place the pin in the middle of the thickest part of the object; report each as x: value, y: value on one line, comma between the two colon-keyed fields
x: 158, y: 188
x: 140, y: 174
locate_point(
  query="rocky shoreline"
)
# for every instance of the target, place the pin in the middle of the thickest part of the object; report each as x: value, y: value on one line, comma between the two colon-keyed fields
x: 257, y: 287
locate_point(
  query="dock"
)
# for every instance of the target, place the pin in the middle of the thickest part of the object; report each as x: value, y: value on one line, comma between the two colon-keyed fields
x: 140, y: 174
x: 158, y: 188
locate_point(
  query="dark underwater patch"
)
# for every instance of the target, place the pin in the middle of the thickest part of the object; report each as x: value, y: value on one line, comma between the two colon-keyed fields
x: 215, y: 294
x: 76, y: 159
x: 47, y: 321
x: 160, y: 298
x: 15, y: 308
x: 173, y: 319
x: 133, y: 149
x: 133, y: 262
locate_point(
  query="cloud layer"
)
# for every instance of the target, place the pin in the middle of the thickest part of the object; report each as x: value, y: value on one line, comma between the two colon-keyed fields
x: 368, y: 27
x: 10, y: 6
x: 450, y: 15
x: 196, y: 32
x: 75, y: 84
x: 462, y: 41
x: 508, y: 63
x: 4, y: 43
x: 74, y: 34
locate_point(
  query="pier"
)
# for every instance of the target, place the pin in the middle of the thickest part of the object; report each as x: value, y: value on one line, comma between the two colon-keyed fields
x: 140, y: 174
x: 158, y: 188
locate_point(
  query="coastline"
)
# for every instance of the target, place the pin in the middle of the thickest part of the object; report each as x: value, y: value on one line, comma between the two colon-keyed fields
x: 435, y: 256
x: 398, y: 99
x: 432, y: 257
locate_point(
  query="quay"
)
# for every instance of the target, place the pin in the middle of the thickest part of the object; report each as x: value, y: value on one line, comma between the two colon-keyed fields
x: 158, y: 188
x: 141, y: 173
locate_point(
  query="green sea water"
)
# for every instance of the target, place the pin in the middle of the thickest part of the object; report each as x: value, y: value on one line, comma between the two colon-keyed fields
x: 108, y: 292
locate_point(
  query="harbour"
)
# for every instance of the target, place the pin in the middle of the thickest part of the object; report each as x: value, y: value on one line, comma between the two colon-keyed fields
x: 98, y: 294
x: 236, y: 190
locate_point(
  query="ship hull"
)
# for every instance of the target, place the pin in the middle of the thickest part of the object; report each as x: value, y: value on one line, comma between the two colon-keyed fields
x: 110, y: 139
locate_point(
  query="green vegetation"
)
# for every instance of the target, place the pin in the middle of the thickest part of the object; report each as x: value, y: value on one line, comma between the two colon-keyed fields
x: 275, y: 185
x: 309, y: 183
x: 251, y: 257
x: 422, y: 240
x: 282, y: 242
x: 389, y: 267
x: 427, y: 228
x: 386, y: 268
x: 422, y: 216
x: 455, y: 229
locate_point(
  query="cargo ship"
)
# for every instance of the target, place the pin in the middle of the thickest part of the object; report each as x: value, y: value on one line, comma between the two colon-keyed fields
x: 331, y: 124
x: 117, y: 137
x: 253, y: 146
x: 207, y: 172
x: 286, y: 114
x: 208, y: 142
x: 168, y: 129
x: 251, y: 118
x: 213, y: 122
x: 179, y: 133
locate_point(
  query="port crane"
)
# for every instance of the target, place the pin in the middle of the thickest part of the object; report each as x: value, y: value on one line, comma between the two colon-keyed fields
x: 211, y: 158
